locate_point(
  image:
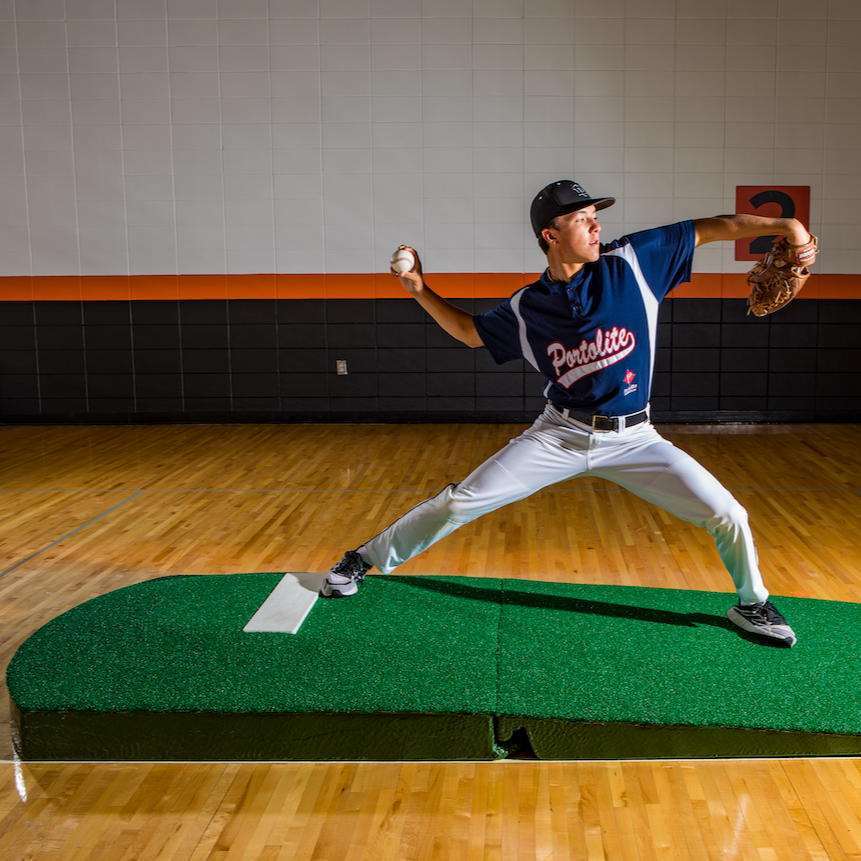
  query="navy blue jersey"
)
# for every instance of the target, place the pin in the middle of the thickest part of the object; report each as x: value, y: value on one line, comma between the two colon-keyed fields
x: 594, y: 338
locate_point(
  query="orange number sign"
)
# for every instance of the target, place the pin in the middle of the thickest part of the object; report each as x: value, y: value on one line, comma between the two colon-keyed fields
x: 773, y: 201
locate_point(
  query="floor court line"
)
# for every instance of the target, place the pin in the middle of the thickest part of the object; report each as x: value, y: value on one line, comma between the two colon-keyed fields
x: 68, y: 534
x: 285, y: 490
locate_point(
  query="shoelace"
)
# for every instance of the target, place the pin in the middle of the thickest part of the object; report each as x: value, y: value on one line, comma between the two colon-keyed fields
x: 768, y: 613
x: 346, y: 567
x: 772, y: 615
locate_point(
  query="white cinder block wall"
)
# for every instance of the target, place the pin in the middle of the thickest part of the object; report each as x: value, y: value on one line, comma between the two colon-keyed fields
x: 312, y: 136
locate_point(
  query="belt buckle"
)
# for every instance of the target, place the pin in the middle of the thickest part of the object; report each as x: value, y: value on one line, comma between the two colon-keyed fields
x: 607, y: 418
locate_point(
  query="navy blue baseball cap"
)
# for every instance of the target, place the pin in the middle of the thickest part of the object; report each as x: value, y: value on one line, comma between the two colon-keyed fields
x: 560, y: 198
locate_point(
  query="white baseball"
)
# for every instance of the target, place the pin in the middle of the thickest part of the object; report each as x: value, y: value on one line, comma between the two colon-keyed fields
x: 403, y: 260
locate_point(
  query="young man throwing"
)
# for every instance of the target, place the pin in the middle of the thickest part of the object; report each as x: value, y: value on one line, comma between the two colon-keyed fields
x: 589, y: 325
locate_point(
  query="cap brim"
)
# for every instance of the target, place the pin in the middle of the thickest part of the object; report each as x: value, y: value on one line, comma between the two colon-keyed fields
x: 599, y: 204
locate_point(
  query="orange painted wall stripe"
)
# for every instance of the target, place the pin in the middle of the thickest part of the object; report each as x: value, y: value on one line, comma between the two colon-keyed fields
x: 70, y: 288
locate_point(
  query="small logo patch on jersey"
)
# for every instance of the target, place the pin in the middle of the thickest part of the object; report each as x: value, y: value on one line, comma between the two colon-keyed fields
x: 631, y: 386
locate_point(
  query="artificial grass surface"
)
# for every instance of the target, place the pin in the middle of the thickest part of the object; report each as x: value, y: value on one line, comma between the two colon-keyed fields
x: 436, y: 668
x: 176, y: 644
x: 671, y: 657
x: 625, y: 672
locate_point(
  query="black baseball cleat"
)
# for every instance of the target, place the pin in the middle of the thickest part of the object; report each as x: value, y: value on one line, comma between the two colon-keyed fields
x: 762, y: 620
x: 343, y: 580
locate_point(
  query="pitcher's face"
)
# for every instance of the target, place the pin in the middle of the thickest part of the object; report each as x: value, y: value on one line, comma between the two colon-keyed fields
x: 575, y: 239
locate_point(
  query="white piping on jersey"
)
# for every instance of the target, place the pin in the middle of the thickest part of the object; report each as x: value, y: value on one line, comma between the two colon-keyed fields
x: 525, y: 346
x: 650, y: 302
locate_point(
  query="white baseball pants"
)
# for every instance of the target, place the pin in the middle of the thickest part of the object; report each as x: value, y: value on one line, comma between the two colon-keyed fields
x: 555, y: 449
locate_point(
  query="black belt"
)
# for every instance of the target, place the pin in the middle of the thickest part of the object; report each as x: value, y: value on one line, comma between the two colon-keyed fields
x: 604, y: 423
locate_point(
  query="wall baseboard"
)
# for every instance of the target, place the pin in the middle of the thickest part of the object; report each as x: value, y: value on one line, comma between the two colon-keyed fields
x: 364, y: 417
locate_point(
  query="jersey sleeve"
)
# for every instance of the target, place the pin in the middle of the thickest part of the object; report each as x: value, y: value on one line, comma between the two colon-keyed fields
x: 499, y: 330
x: 665, y: 255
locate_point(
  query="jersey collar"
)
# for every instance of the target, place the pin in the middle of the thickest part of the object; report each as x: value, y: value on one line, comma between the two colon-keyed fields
x: 554, y: 286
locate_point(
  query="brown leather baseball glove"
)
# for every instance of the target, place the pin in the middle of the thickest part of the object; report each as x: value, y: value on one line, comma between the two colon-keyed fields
x: 777, y: 278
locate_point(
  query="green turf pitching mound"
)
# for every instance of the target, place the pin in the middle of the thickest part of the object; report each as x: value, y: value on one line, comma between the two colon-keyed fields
x: 432, y: 668
x: 365, y: 678
x: 625, y: 672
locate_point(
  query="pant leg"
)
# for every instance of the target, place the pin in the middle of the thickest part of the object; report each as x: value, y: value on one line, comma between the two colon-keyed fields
x: 655, y: 470
x: 537, y: 458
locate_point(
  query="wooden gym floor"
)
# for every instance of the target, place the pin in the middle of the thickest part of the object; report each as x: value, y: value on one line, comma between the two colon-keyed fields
x: 84, y: 510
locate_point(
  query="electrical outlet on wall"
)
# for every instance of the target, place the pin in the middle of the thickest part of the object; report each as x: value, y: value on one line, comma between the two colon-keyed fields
x: 341, y: 367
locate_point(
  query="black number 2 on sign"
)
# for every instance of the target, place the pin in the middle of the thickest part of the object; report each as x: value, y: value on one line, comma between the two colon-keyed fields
x: 786, y: 201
